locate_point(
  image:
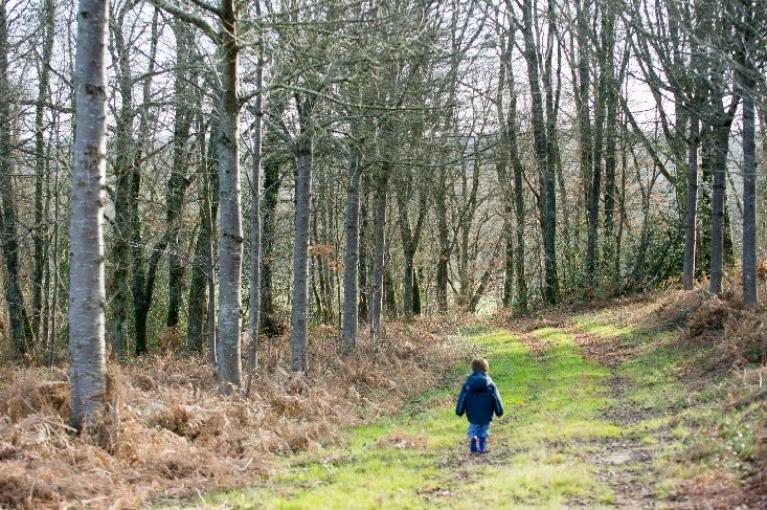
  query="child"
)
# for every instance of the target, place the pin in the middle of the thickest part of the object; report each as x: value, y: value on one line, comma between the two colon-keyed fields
x: 479, y: 399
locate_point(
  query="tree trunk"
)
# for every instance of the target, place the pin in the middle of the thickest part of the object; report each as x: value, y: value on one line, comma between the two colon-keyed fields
x: 352, y: 255
x: 178, y: 182
x: 443, y: 238
x: 119, y: 287
x: 87, y: 354
x: 750, y: 297
x: 230, y: 223
x: 272, y: 183
x: 198, y: 284
x: 416, y: 293
x: 718, y: 197
x: 379, y: 240
x: 143, y: 283
x: 590, y: 167
x: 195, y: 326
x: 508, y: 266
x: 390, y: 295
x: 690, y: 238
x: 611, y: 135
x: 410, y: 237
x: 547, y: 189
x: 254, y: 284
x: 364, y: 291
x: 513, y: 189
x: 300, y: 301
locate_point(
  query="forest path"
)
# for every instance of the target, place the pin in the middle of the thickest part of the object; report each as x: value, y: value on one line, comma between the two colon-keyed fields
x: 574, y: 436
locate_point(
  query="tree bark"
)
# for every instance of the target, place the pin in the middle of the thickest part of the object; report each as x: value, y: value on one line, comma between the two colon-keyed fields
x: 410, y: 237
x: 299, y: 315
x: 126, y: 155
x: 379, y: 240
x: 198, y: 284
x: 364, y: 290
x: 230, y: 238
x: 690, y: 242
x: 718, y: 197
x: 271, y: 187
x: 143, y: 283
x: 178, y: 181
x: 254, y: 284
x: 547, y: 190
x: 749, y: 199
x: 352, y: 255
x: 87, y: 353
x: 443, y: 238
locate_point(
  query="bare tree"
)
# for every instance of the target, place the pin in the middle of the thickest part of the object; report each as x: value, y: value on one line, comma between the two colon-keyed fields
x: 230, y: 238
x: 21, y: 328
x: 86, y: 237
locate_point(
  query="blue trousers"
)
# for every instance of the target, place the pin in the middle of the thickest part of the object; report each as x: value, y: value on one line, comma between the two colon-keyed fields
x: 478, y: 430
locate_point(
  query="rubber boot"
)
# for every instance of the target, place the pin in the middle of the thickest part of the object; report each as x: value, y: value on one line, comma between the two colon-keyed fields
x: 482, y: 445
x: 474, y: 446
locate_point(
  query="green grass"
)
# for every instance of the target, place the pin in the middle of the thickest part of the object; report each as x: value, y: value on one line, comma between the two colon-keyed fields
x: 551, y: 399
x: 686, y: 413
x: 542, y: 450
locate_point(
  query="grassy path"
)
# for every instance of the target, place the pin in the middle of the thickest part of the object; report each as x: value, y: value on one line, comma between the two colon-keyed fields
x: 571, y: 437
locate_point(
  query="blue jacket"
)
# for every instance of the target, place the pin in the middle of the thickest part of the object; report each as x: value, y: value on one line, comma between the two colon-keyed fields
x: 479, y: 399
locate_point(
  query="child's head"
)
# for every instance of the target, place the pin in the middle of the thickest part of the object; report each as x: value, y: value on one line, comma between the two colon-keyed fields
x: 480, y: 365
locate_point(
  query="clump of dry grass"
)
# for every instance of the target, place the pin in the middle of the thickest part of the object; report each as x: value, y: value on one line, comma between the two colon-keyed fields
x: 168, y: 432
x: 733, y: 336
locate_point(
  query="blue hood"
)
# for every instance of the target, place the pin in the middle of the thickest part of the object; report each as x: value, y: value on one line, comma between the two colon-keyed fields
x: 479, y: 381
x: 479, y: 399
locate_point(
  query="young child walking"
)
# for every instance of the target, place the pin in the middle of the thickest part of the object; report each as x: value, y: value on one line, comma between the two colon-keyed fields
x: 479, y: 399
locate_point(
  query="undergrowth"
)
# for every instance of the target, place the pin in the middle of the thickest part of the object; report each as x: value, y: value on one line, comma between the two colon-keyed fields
x: 168, y: 432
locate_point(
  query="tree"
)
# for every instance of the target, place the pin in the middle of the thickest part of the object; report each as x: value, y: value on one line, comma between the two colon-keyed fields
x: 748, y: 60
x: 21, y: 327
x: 542, y: 132
x: 304, y: 155
x: 254, y: 288
x: 352, y: 254
x: 39, y: 320
x: 230, y: 238
x: 87, y: 353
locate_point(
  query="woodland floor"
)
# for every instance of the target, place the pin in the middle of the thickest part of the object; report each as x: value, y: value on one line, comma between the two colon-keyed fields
x: 598, y: 416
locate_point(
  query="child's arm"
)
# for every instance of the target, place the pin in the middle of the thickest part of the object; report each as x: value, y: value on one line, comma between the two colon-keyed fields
x: 498, y: 403
x: 460, y: 404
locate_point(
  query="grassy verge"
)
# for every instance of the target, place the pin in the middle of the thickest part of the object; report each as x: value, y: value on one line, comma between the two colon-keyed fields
x: 701, y: 429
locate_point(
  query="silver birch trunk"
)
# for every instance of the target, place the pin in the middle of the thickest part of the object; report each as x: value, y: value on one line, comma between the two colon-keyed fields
x: 86, y: 272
